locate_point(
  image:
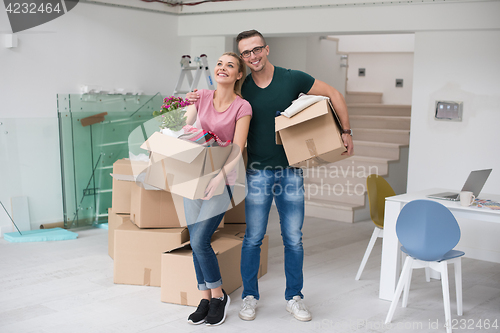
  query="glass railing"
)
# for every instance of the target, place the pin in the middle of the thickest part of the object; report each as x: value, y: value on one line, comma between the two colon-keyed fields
x: 94, y: 132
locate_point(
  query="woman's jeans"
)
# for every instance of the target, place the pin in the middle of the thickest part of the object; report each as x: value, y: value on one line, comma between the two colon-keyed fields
x: 203, y: 218
x: 286, y: 187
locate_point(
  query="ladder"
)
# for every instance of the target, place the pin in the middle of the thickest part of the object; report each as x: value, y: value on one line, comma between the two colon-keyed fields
x: 186, y: 68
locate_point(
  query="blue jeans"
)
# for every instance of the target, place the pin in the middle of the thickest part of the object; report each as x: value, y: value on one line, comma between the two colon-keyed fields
x: 203, y: 218
x: 286, y: 187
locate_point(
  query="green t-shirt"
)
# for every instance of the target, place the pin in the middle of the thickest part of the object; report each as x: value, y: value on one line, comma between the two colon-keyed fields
x: 285, y: 87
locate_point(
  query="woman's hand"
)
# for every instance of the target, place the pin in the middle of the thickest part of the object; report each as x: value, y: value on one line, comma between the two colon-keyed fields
x: 212, y: 186
x: 192, y: 96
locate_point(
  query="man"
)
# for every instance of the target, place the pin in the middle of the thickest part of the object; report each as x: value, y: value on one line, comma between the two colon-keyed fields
x: 269, y: 89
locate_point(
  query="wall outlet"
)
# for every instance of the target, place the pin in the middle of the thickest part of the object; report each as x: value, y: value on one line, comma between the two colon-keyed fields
x: 448, y: 110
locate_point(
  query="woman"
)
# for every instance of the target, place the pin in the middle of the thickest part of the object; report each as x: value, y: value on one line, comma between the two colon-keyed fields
x: 226, y: 114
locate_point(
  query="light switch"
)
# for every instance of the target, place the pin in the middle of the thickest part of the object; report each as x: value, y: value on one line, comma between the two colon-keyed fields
x: 399, y: 83
x: 361, y: 71
x: 446, y: 110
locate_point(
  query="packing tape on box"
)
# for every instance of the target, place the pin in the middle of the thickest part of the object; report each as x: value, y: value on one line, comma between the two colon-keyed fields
x: 211, y: 159
x: 184, y: 298
x: 313, y: 151
x: 147, y: 276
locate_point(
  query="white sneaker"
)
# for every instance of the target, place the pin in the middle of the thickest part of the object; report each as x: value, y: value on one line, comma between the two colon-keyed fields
x: 298, y: 309
x: 247, y: 311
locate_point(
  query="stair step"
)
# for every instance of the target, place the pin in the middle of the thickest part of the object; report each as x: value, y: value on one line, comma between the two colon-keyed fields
x: 350, y: 180
x: 347, y: 194
x: 380, y: 122
x: 366, y: 164
x: 377, y: 149
x: 382, y: 135
x: 352, y: 167
x: 337, y: 191
x: 370, y: 109
x: 363, y: 97
x: 331, y: 210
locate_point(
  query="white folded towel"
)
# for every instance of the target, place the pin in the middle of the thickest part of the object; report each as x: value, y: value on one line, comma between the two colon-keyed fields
x: 301, y: 103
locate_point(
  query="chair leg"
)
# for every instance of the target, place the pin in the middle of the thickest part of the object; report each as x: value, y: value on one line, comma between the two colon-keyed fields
x: 458, y: 284
x: 427, y: 274
x: 446, y: 295
x: 406, y: 290
x: 399, y: 288
x: 371, y: 244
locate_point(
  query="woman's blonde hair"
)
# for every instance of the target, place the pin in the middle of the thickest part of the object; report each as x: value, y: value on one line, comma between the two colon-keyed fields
x: 242, y: 68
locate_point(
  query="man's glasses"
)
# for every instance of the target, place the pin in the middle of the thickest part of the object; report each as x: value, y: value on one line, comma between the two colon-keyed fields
x: 255, y: 50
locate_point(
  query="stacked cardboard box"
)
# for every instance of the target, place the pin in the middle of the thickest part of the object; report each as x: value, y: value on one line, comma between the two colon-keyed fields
x: 142, y: 224
x: 138, y: 252
x: 180, y: 286
x: 147, y: 227
x: 114, y: 221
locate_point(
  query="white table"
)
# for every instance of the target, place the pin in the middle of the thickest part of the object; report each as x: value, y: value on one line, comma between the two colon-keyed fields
x: 390, y: 247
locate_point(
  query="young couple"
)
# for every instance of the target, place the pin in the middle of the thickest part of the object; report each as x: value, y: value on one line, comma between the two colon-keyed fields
x: 266, y: 90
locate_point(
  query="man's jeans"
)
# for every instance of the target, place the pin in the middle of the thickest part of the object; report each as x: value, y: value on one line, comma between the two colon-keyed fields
x: 286, y: 186
x: 203, y: 218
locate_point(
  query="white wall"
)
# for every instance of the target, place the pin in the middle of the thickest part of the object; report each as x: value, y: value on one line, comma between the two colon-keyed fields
x: 323, y: 62
x: 313, y: 55
x: 99, y: 45
x: 288, y: 52
x: 213, y: 47
x: 376, y: 43
x: 457, y: 66
x: 382, y: 70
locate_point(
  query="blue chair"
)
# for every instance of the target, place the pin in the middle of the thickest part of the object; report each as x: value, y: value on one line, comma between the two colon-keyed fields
x: 428, y: 232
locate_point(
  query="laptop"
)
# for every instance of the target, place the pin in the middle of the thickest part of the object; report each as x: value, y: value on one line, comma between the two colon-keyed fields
x: 474, y: 184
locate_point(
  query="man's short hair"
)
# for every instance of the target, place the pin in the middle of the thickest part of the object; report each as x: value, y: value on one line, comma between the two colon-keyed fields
x: 248, y: 34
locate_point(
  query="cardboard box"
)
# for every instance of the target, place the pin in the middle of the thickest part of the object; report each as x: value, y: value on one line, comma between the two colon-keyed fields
x: 236, y: 214
x: 178, y: 278
x: 234, y: 229
x: 148, y: 206
x: 114, y: 221
x: 156, y: 208
x: 238, y: 230
x: 311, y: 137
x: 138, y: 252
x: 120, y: 199
x: 183, y: 167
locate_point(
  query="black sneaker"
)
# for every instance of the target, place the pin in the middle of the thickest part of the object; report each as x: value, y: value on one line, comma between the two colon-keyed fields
x: 218, y: 308
x: 198, y: 317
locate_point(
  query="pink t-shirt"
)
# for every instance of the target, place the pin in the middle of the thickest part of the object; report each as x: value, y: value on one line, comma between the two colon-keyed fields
x: 220, y: 123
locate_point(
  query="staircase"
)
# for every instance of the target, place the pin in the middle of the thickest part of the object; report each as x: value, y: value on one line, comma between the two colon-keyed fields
x: 337, y: 191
